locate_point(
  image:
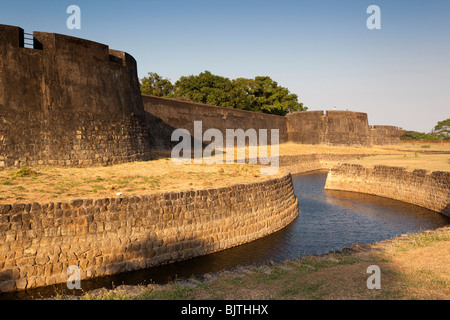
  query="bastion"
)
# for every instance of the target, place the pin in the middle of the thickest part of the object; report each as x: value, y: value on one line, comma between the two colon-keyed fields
x: 68, y: 101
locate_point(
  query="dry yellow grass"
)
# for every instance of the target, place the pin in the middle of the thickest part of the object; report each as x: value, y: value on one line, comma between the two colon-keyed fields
x: 425, y: 146
x: 44, y: 184
x: 409, y: 161
x: 413, y: 267
x: 291, y: 148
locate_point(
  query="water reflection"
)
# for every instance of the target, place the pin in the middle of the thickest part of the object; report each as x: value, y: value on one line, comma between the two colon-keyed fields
x: 328, y: 221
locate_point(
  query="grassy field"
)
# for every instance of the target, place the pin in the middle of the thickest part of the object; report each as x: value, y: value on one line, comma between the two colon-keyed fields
x: 409, y: 161
x: 44, y: 184
x: 291, y: 148
x: 424, y: 146
x: 413, y: 267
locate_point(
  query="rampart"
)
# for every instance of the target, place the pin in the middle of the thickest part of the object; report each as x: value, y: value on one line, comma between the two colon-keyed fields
x: 170, y: 114
x: 428, y: 190
x: 68, y: 101
x: 330, y: 128
x: 385, y: 135
x: 337, y: 128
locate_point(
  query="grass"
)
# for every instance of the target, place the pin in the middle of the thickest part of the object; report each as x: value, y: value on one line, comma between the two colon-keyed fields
x: 24, y: 171
x: 52, y: 184
x: 412, y: 266
x: 174, y: 292
x: 427, y: 146
x: 409, y: 161
x: 291, y: 148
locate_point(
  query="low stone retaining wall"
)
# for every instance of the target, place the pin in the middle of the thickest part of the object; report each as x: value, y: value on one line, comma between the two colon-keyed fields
x: 38, y: 242
x: 429, y: 190
x: 310, y: 162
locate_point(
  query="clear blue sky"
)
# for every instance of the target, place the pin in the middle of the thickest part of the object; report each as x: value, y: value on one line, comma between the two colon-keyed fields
x: 319, y: 49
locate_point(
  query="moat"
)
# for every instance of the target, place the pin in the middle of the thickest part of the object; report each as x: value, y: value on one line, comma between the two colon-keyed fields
x: 327, y: 221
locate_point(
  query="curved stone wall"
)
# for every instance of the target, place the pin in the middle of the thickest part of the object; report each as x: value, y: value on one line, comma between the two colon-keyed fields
x: 428, y: 190
x: 38, y: 242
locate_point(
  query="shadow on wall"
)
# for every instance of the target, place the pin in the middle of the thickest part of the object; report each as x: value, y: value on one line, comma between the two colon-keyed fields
x: 160, y: 134
x: 446, y: 210
x: 144, y: 252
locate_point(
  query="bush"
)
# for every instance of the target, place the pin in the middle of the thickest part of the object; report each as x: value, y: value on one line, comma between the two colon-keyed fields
x: 25, y: 171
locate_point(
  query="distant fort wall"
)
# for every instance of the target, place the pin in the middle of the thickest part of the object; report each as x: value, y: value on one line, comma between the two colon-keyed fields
x: 346, y: 128
x: 182, y: 114
x: 329, y: 128
x: 385, y: 135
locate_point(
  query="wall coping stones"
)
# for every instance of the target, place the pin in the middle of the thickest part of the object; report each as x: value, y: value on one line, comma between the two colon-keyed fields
x: 113, y: 235
x: 420, y: 187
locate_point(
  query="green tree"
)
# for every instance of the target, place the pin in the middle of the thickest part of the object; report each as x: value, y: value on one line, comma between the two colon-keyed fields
x: 155, y: 85
x: 418, y: 136
x: 265, y: 95
x: 205, y: 88
x: 443, y: 128
x: 261, y: 94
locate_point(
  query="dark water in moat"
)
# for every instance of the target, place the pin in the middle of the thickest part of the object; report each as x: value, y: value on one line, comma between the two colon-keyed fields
x: 328, y: 221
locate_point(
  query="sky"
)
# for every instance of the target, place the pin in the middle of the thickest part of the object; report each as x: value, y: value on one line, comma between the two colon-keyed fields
x: 320, y: 50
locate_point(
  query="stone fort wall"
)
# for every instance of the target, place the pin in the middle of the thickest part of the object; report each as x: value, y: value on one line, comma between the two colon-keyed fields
x: 346, y: 128
x: 329, y: 128
x: 419, y: 187
x: 172, y: 114
x: 38, y: 242
x: 73, y: 102
x: 68, y: 101
x: 385, y: 135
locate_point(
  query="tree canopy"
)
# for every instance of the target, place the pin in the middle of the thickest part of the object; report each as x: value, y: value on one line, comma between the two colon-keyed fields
x: 155, y: 85
x: 261, y: 94
x: 440, y: 132
x: 443, y: 127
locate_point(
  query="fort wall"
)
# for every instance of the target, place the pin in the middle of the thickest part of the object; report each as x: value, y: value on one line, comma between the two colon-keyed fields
x: 174, y: 114
x: 74, y: 102
x: 337, y: 128
x: 38, y: 242
x: 385, y: 135
x: 330, y: 128
x: 68, y: 101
